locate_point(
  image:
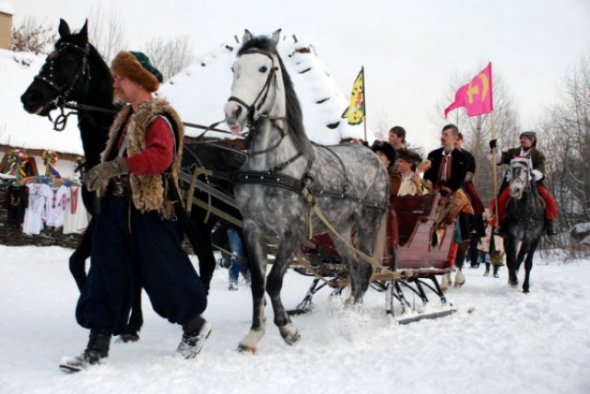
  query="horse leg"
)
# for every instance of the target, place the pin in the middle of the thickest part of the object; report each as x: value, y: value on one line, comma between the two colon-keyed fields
x: 461, y: 253
x: 510, y: 249
x: 522, y: 253
x: 257, y: 261
x: 367, y: 238
x: 201, y: 233
x: 78, y: 258
x: 355, y: 268
x: 528, y: 265
x: 274, y: 284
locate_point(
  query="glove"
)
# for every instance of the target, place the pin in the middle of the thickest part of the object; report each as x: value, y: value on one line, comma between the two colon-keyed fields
x: 493, y: 144
x: 537, y: 175
x: 101, y: 173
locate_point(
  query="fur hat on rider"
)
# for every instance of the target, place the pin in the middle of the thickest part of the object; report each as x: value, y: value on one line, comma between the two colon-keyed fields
x: 531, y: 135
x: 137, y: 67
x: 385, y: 148
x: 409, y: 156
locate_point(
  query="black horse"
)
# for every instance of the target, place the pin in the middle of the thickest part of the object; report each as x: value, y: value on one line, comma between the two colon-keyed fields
x: 524, y: 222
x: 76, y: 72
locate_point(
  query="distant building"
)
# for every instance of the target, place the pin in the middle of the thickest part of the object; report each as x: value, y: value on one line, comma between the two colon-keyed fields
x: 6, y: 12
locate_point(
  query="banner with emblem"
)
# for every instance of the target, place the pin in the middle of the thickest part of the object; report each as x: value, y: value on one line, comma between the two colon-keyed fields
x: 355, y: 112
x: 476, y: 96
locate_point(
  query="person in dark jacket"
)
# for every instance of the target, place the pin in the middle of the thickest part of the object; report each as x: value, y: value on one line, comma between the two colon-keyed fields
x: 387, y: 154
x: 528, y: 149
x: 449, y: 165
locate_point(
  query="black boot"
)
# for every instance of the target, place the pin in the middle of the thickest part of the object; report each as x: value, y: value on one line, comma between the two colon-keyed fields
x: 194, y: 334
x: 97, y: 349
x: 550, y: 227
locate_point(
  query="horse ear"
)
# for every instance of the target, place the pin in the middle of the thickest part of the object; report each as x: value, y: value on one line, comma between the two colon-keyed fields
x: 64, y: 29
x: 275, y: 36
x: 247, y: 36
x: 84, y: 31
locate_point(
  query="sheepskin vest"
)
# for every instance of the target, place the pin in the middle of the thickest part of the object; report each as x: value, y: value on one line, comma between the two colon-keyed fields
x: 148, y: 191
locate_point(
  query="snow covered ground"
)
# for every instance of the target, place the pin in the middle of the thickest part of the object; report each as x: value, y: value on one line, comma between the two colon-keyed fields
x: 509, y: 343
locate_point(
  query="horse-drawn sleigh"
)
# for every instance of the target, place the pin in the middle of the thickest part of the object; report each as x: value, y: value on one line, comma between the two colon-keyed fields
x: 284, y: 187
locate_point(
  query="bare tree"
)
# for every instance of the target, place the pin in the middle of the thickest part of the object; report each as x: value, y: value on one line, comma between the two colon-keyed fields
x: 31, y: 36
x: 171, y: 55
x: 567, y: 136
x: 106, y: 32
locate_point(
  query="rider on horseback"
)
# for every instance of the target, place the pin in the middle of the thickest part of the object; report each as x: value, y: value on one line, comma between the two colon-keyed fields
x: 528, y: 150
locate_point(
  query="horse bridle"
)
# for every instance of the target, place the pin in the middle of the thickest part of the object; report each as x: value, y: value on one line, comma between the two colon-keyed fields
x: 252, y: 108
x: 63, y: 92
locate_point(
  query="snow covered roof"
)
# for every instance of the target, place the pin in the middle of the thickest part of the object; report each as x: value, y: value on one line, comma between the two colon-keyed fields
x: 200, y: 91
x: 6, y: 8
x: 20, y: 129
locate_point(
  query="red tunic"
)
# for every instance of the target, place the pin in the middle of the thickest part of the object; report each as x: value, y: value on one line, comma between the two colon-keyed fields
x: 159, y: 150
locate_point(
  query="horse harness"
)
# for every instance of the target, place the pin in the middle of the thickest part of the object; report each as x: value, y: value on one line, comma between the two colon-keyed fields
x: 83, y: 69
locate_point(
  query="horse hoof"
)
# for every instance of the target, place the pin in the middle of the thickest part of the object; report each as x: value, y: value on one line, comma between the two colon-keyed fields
x: 459, y: 279
x: 128, y: 337
x: 246, y: 349
x: 513, y: 283
x: 292, y: 339
x: 290, y: 334
x: 525, y: 290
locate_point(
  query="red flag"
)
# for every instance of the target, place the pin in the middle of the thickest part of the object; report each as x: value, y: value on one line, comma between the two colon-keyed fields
x: 476, y: 96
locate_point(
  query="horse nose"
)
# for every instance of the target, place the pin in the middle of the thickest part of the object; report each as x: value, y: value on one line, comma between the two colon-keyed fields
x: 232, y: 110
x: 31, y: 100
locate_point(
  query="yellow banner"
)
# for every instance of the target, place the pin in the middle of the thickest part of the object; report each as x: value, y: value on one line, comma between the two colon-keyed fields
x: 356, y: 108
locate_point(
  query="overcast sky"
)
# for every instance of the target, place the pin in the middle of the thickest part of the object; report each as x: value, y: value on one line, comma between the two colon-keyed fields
x: 411, y: 50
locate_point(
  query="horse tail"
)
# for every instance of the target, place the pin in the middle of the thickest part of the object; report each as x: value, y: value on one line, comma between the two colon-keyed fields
x: 381, y: 241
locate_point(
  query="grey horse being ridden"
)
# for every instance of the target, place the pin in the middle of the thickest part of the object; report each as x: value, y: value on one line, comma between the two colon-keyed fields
x: 348, y: 182
x: 524, y: 222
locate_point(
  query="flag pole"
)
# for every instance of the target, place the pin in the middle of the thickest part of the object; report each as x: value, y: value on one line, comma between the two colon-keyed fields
x: 364, y: 103
x: 494, y: 168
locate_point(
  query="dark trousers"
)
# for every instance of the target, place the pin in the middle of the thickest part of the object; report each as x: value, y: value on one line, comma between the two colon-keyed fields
x: 122, y: 237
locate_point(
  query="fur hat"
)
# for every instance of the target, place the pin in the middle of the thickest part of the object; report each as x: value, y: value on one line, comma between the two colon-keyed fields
x: 385, y: 148
x: 409, y: 155
x: 137, y: 67
x: 531, y: 135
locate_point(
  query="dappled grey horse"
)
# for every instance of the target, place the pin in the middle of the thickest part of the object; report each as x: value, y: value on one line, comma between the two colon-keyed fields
x: 524, y: 222
x: 348, y: 183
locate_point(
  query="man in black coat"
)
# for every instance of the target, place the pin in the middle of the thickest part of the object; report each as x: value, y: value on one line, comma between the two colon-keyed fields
x: 449, y: 165
x: 447, y: 175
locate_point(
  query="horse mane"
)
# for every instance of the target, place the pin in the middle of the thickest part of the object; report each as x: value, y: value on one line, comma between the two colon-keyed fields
x: 293, y: 108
